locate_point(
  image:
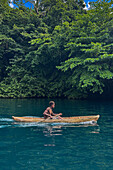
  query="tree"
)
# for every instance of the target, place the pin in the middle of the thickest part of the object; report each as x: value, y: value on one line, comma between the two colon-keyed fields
x: 90, y: 50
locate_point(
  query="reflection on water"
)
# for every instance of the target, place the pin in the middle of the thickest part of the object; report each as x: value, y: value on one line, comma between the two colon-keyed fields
x: 52, y: 131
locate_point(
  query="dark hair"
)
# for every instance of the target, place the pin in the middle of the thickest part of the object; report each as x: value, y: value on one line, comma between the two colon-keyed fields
x: 51, y: 103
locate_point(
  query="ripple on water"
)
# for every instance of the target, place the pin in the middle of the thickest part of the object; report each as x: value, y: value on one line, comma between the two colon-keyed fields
x: 6, y: 120
x: 4, y: 126
x: 17, y: 124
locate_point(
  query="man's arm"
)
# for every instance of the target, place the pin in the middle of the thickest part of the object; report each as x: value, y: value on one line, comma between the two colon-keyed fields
x: 55, y: 114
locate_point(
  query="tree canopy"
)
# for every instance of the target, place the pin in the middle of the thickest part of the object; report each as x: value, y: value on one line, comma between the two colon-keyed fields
x: 56, y: 49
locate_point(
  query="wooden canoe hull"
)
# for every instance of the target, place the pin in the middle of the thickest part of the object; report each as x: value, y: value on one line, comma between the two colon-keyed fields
x: 77, y: 119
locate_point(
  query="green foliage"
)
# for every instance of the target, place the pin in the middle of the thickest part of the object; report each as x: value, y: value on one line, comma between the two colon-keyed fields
x: 59, y: 11
x: 90, y: 56
x: 56, y: 50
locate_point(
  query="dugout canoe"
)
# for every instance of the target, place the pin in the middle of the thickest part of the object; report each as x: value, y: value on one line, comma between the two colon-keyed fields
x: 77, y: 119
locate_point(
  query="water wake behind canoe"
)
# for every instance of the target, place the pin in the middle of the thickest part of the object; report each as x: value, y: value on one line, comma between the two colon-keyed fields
x: 6, y: 120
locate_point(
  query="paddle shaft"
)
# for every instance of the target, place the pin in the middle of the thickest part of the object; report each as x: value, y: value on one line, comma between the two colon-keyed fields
x: 47, y: 119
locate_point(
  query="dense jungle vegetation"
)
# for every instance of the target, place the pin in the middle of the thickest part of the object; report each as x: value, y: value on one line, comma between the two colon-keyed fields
x: 56, y: 49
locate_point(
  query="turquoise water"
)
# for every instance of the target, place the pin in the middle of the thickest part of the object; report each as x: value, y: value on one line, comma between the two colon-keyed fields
x: 33, y: 146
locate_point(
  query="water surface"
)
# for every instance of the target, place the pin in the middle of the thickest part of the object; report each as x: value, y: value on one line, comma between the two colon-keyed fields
x: 30, y: 146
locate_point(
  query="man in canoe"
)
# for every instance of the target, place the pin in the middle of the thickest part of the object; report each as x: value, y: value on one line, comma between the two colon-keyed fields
x: 48, y: 113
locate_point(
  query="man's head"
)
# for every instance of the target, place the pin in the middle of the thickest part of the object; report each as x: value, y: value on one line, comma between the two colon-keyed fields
x: 52, y: 104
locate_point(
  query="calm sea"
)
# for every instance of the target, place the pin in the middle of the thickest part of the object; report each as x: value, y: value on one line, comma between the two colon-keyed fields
x: 39, y: 146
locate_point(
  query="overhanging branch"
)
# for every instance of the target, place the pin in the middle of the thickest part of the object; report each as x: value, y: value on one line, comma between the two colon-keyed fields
x: 33, y: 3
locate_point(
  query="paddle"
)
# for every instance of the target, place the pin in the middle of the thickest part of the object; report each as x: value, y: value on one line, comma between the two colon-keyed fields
x: 49, y: 118
x: 44, y: 120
